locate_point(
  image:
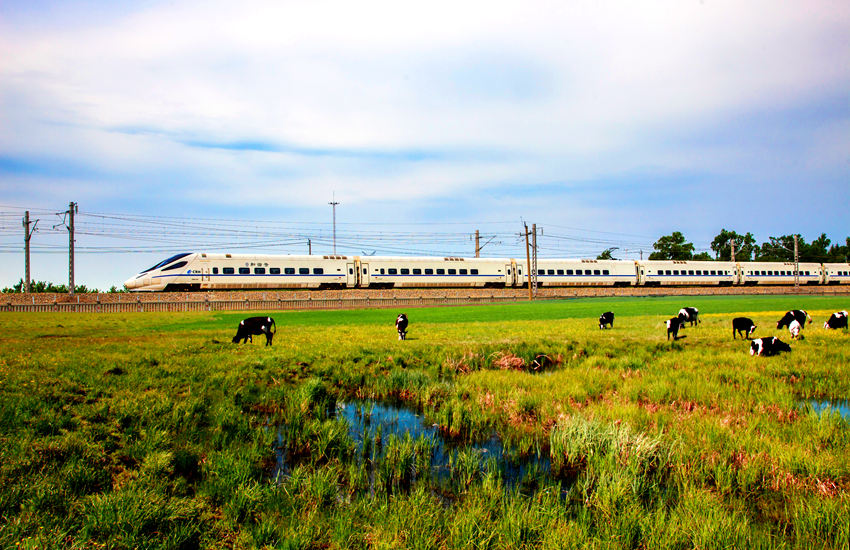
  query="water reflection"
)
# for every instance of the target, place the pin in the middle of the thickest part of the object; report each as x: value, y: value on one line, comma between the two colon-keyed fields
x: 842, y: 406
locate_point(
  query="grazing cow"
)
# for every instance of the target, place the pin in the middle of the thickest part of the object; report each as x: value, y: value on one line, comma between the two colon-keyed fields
x: 689, y: 315
x: 401, y: 326
x: 673, y: 326
x: 255, y: 326
x: 606, y: 318
x: 743, y: 325
x: 836, y: 320
x: 794, y: 328
x: 768, y: 346
x: 799, y: 315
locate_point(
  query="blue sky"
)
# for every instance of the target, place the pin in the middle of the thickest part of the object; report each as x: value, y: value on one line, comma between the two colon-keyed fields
x: 606, y: 123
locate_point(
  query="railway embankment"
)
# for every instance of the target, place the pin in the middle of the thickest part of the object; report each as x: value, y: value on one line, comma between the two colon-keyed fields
x: 361, y: 298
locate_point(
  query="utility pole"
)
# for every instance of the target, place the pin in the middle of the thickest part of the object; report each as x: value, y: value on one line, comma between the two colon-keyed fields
x: 732, y: 244
x: 796, y: 262
x: 309, y: 247
x: 333, y: 203
x: 641, y: 254
x: 72, y: 209
x: 534, y: 257
x: 27, y: 235
x: 477, y: 248
x: 528, y: 261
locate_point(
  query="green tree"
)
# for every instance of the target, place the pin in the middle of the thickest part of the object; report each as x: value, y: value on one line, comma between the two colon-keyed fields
x: 839, y: 253
x: 607, y: 254
x: 745, y: 246
x: 672, y: 247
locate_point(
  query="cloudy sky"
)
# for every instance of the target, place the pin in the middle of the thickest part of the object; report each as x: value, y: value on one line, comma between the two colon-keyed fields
x: 605, y: 123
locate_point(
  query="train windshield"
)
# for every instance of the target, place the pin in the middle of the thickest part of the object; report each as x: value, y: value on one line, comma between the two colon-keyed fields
x: 166, y: 262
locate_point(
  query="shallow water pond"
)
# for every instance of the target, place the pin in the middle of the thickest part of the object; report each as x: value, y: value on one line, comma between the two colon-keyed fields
x: 842, y: 406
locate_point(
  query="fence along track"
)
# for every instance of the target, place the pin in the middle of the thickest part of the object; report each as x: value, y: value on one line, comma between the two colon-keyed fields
x: 253, y: 305
x: 136, y: 303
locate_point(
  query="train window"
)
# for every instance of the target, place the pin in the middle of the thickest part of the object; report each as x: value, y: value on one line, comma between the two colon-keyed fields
x: 289, y: 271
x: 227, y: 270
x: 365, y: 271
x: 667, y: 272
x: 244, y: 271
x: 405, y: 271
x: 178, y: 265
x: 473, y: 272
x: 429, y: 271
x: 452, y: 271
x: 713, y: 272
x: 596, y: 272
x: 569, y: 272
x: 417, y: 271
x: 382, y: 271
x: 441, y: 271
x: 351, y: 271
x: 259, y: 271
x: 690, y: 272
x: 587, y: 272
x: 215, y: 271
x: 606, y: 272
x: 675, y: 272
x: 560, y: 272
x: 318, y: 271
x: 770, y: 273
x: 274, y: 270
x: 509, y: 272
x: 392, y: 271
x: 462, y: 271
x: 550, y: 272
x: 303, y: 270
x: 519, y: 271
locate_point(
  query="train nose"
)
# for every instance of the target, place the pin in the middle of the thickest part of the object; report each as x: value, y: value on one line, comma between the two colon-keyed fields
x: 130, y: 284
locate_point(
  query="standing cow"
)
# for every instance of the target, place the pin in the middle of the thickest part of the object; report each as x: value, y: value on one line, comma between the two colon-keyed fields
x: 743, y: 326
x: 401, y: 326
x: 836, y: 320
x: 606, y: 318
x: 800, y: 315
x: 768, y: 346
x: 689, y: 315
x: 255, y: 326
x: 673, y: 326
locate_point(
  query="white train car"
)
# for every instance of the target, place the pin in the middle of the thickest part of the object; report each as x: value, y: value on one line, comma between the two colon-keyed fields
x: 836, y: 274
x: 780, y: 273
x: 578, y: 272
x: 424, y: 272
x: 687, y: 273
x: 202, y: 271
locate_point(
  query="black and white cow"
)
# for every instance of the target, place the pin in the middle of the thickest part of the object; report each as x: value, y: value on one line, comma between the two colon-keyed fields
x: 673, y: 326
x: 401, y: 326
x: 689, y: 315
x: 836, y: 320
x: 799, y: 315
x: 255, y: 326
x: 606, y: 318
x: 768, y: 346
x: 743, y: 326
x: 794, y: 328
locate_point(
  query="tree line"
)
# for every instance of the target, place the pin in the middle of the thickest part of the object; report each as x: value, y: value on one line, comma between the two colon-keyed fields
x: 39, y: 287
x: 776, y: 249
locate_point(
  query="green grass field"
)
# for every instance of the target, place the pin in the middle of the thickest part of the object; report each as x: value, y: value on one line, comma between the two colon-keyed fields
x: 154, y: 431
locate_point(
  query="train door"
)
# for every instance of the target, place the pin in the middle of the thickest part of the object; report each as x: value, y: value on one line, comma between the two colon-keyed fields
x: 639, y: 274
x: 350, y: 275
x: 509, y: 275
x: 205, y: 277
x: 364, y: 274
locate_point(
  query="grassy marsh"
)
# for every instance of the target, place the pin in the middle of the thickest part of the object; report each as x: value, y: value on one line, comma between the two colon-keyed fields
x: 154, y: 431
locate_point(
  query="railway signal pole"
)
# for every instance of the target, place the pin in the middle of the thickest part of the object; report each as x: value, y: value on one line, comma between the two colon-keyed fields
x: 534, y: 257
x: 732, y: 244
x: 27, y: 236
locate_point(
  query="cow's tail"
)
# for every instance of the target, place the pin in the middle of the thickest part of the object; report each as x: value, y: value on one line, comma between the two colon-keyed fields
x: 274, y: 327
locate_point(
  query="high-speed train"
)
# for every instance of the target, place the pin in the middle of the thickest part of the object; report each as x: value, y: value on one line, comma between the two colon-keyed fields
x: 202, y: 271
